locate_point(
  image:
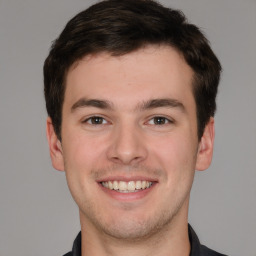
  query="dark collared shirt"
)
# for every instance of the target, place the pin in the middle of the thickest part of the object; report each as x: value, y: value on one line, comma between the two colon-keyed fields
x: 196, y: 248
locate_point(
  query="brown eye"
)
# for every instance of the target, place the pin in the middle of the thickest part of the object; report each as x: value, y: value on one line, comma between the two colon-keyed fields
x: 159, y: 120
x: 96, y: 120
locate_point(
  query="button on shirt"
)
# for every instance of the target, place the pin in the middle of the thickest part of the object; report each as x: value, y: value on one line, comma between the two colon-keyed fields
x: 196, y: 248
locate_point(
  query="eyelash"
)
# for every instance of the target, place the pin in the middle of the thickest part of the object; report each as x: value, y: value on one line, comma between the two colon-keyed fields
x: 160, y: 118
x: 90, y: 120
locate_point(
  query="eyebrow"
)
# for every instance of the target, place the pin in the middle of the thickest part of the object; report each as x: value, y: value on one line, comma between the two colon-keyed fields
x: 149, y: 104
x: 83, y: 102
x: 159, y: 103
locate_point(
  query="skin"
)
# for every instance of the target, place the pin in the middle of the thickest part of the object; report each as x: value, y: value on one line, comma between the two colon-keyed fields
x: 146, y: 130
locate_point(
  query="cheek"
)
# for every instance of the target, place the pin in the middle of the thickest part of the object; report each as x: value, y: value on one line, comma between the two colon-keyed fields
x: 81, y: 156
x: 83, y: 153
x: 176, y: 155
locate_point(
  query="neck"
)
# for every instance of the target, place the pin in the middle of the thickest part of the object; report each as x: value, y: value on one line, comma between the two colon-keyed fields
x: 172, y: 240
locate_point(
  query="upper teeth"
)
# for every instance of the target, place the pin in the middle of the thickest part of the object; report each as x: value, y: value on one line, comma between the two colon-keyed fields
x: 130, y: 186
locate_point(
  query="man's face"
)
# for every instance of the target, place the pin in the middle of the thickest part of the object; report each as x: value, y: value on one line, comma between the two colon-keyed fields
x: 129, y: 141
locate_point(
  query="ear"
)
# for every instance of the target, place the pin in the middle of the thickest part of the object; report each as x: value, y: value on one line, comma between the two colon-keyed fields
x: 205, y: 149
x: 54, y: 146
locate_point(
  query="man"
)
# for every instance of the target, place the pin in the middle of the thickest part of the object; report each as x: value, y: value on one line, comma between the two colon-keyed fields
x: 130, y: 90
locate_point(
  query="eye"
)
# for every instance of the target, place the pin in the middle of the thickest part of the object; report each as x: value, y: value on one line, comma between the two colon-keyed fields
x: 159, y: 120
x: 95, y: 120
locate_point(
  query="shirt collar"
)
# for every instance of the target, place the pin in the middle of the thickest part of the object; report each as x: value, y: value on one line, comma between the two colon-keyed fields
x: 76, y: 250
x: 194, y: 242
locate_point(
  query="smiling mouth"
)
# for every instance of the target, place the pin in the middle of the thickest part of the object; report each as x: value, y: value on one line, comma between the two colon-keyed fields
x: 127, y: 187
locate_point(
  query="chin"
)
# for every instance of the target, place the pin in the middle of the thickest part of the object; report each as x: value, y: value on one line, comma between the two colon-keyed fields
x: 133, y: 228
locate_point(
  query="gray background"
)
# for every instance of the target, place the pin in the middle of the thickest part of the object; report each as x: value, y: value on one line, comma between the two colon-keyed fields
x: 37, y: 215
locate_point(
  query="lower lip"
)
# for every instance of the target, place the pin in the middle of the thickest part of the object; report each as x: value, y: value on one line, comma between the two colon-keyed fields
x: 132, y: 196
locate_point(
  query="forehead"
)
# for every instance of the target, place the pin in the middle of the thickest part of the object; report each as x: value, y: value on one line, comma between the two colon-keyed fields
x: 150, y: 72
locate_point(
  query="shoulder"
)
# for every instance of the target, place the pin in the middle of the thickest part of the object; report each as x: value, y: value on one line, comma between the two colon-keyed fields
x: 208, y: 252
x: 197, y: 249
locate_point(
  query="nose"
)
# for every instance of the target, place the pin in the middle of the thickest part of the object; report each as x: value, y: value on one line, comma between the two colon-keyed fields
x: 128, y: 146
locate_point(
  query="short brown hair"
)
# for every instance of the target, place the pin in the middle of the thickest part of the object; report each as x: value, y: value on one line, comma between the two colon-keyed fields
x: 120, y: 27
